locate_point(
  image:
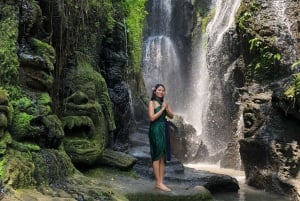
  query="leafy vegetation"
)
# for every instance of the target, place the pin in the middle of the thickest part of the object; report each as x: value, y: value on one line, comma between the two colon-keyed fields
x: 292, y: 93
x: 265, y: 62
x: 296, y: 64
x: 134, y: 22
x: 245, y: 13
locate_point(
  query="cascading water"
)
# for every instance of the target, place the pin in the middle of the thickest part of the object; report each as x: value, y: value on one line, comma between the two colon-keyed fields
x: 206, y: 108
x: 205, y: 76
x: 160, y: 60
x: 199, y: 96
x: 218, y: 123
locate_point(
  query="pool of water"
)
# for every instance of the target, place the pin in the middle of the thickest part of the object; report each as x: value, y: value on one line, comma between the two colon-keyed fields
x: 246, y: 193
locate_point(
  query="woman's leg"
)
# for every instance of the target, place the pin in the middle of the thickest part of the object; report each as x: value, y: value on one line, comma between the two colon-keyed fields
x: 156, y: 171
x: 161, y: 170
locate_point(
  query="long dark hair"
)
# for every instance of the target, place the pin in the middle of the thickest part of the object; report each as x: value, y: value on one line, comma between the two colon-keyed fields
x: 154, y: 89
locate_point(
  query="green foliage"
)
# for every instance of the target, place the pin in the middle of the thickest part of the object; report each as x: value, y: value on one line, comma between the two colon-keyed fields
x: 245, y: 14
x: 263, y: 66
x: 9, y: 65
x: 135, y: 21
x: 292, y: 93
x: 296, y: 64
x: 243, y: 20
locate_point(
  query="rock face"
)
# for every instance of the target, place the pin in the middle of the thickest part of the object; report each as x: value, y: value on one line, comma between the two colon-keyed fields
x: 269, y: 102
x: 115, y: 59
x: 185, y: 144
x: 57, y: 112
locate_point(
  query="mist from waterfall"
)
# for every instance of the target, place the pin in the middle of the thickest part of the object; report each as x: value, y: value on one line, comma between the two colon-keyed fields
x: 206, y: 85
x: 160, y: 59
x: 199, y: 96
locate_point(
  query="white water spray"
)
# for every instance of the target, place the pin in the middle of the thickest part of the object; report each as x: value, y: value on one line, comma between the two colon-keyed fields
x: 160, y: 59
x: 207, y: 52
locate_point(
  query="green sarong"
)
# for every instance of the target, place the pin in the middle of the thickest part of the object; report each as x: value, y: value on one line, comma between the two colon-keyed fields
x: 157, y: 136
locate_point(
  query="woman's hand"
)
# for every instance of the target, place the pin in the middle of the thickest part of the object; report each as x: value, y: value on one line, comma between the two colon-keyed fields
x: 164, y: 105
x: 168, y: 109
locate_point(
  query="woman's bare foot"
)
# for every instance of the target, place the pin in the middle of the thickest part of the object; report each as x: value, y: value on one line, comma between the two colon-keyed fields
x: 162, y: 187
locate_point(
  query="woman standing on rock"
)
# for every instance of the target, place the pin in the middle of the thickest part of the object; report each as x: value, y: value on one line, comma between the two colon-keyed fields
x: 158, y: 109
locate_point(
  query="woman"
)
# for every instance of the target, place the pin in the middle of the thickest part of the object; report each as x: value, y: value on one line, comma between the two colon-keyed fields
x: 158, y: 109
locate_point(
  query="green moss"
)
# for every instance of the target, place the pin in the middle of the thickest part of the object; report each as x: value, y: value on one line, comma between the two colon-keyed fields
x: 9, y: 65
x: 4, y: 141
x: 44, y: 103
x: 2, y: 167
x: 22, y: 104
x: 109, y: 172
x: 45, y: 50
x: 86, y: 79
x: 3, y: 94
x: 19, y: 169
x: 21, y: 123
x: 52, y: 166
x: 24, y: 146
x: 71, y: 121
x: 15, y: 92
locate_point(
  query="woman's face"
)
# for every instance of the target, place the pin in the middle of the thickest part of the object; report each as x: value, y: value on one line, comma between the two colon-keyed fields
x: 160, y: 92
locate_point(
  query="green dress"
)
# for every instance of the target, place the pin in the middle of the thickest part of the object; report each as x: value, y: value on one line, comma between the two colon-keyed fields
x: 157, y: 135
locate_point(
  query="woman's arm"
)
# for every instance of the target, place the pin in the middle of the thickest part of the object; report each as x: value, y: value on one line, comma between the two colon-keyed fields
x: 153, y: 116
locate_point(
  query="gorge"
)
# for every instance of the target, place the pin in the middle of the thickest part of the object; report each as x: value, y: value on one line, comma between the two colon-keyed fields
x: 75, y: 80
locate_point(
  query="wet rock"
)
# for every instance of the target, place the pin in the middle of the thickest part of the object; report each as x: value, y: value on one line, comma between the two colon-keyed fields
x: 186, y: 145
x: 175, y: 172
x: 117, y: 159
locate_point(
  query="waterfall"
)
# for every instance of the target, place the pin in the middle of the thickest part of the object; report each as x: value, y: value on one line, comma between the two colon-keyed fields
x: 160, y: 59
x: 218, y: 130
x: 196, y: 109
x: 222, y: 21
x: 160, y: 17
x: 206, y: 105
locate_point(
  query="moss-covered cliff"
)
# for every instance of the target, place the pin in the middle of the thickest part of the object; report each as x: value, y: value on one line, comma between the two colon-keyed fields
x: 57, y: 103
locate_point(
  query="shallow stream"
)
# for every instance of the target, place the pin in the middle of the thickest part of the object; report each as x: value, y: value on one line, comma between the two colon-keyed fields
x: 246, y: 193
